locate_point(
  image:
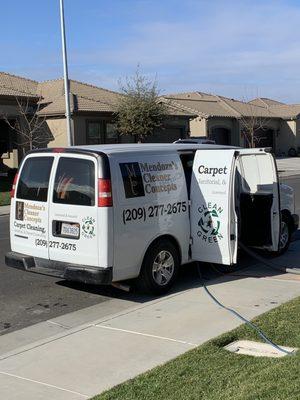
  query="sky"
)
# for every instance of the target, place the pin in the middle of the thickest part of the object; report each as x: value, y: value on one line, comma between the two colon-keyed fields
x: 235, y: 48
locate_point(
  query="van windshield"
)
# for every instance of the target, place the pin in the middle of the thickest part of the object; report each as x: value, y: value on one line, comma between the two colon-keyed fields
x: 75, y: 182
x: 34, y: 179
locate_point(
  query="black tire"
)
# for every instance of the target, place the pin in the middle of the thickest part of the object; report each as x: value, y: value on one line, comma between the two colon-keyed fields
x: 292, y: 152
x: 162, y: 253
x: 285, y: 235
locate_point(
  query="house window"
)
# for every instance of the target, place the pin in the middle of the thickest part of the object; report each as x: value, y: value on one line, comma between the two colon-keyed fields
x: 95, y: 132
x: 112, y: 135
x: 101, y: 132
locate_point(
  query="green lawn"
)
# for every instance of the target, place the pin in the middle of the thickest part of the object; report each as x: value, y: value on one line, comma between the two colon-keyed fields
x: 211, y: 373
x: 5, y: 187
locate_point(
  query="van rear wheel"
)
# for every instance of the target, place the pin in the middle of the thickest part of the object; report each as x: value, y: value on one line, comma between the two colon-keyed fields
x: 285, y: 235
x: 160, y: 268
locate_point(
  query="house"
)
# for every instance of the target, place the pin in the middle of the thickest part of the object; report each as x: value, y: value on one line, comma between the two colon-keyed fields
x: 227, y: 121
x: 92, y: 111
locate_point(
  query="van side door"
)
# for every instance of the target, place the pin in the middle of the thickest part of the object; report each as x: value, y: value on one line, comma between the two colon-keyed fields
x: 212, y: 213
x: 73, y: 222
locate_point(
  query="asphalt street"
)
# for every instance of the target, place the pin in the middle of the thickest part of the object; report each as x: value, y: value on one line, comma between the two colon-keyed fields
x: 28, y: 298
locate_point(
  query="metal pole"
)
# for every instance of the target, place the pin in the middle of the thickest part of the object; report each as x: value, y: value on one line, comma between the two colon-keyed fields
x: 66, y: 78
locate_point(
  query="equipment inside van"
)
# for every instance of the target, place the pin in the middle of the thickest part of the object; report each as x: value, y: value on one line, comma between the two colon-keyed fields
x: 107, y: 213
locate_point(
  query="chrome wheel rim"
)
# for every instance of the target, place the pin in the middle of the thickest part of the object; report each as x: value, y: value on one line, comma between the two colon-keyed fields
x: 163, y: 268
x: 284, y: 235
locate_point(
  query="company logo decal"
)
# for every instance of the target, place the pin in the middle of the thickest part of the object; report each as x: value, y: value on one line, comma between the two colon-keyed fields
x: 210, y: 223
x: 20, y: 210
x: 132, y: 179
x: 150, y: 178
x: 29, y: 218
x: 88, y: 227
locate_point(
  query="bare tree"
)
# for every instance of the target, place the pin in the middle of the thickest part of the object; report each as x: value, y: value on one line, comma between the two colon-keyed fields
x: 251, y: 123
x: 31, y: 128
x: 139, y: 111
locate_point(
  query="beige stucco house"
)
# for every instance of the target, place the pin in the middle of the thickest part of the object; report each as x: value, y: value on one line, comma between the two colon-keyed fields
x: 92, y: 111
x: 225, y: 120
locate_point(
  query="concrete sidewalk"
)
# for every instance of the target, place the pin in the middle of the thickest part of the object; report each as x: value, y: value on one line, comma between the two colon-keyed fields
x: 4, y: 210
x: 77, y: 362
x: 288, y: 165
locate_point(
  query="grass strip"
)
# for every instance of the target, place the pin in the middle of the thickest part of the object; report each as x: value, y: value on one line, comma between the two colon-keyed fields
x: 209, y: 372
x: 5, y: 187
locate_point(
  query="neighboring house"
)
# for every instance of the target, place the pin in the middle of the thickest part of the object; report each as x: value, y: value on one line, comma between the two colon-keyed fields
x: 224, y: 120
x: 92, y: 111
x: 12, y: 87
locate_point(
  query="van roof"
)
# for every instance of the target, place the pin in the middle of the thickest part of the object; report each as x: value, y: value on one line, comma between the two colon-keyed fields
x: 131, y: 148
x: 148, y: 147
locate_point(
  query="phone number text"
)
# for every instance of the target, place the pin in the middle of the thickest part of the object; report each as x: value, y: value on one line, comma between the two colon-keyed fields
x: 159, y: 210
x: 55, y: 245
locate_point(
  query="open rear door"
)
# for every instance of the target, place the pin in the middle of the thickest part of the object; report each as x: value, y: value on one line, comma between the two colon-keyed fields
x: 212, y: 213
x: 258, y: 199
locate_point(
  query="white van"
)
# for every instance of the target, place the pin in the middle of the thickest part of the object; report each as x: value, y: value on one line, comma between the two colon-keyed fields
x: 106, y: 213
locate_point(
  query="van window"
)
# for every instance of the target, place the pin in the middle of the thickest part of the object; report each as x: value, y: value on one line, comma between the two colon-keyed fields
x: 75, y: 182
x: 34, y: 179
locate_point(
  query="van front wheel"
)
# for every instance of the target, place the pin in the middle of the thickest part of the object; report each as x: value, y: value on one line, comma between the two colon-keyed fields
x: 160, y: 268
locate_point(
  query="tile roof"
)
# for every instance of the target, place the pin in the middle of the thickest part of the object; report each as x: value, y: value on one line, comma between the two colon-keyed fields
x: 89, y: 98
x: 243, y: 109
x: 50, y: 90
x: 279, y: 109
x: 77, y: 103
x: 264, y: 102
x: 84, y: 97
x: 208, y: 105
x: 57, y: 107
x: 12, y: 85
x: 202, y: 104
x: 286, y: 111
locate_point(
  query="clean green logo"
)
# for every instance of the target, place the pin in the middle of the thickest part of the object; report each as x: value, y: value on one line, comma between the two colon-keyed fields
x: 88, y: 227
x: 210, y: 223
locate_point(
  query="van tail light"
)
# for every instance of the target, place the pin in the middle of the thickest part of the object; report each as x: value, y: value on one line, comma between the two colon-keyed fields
x: 13, y: 189
x: 104, y: 193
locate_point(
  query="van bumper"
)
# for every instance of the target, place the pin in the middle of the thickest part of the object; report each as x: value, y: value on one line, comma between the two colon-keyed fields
x: 71, y: 272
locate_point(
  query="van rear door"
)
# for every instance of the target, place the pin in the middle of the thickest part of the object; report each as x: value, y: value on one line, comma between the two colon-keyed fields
x: 73, y: 223
x: 259, y: 202
x: 30, y: 206
x: 212, y: 213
